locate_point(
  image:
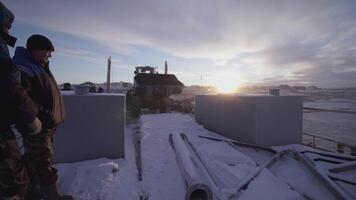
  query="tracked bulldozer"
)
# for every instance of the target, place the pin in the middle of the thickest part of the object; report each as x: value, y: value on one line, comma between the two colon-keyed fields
x: 151, y: 90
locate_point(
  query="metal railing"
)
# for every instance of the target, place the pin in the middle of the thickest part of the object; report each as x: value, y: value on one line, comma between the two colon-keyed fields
x: 328, y: 110
x: 338, y: 146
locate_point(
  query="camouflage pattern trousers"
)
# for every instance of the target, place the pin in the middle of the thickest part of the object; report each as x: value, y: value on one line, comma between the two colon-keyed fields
x: 39, y: 157
x: 17, y: 173
x: 13, y: 176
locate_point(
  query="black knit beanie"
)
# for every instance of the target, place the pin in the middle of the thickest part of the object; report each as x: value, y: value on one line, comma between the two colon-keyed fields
x: 39, y: 42
x: 6, y: 19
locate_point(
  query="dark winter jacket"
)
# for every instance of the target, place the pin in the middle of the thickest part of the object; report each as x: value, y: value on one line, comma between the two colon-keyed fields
x: 15, y: 104
x: 41, y: 87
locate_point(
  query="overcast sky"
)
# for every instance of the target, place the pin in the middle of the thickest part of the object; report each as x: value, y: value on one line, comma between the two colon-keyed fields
x: 309, y: 42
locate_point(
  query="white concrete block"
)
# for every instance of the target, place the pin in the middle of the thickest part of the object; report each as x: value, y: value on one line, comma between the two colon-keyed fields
x: 94, y: 128
x: 258, y: 119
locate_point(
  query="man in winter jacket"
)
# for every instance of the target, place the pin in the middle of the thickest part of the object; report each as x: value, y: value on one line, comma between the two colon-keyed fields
x: 41, y: 86
x: 15, y: 107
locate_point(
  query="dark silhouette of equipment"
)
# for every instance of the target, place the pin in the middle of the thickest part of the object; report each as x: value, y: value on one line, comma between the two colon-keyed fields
x: 151, y: 90
x: 67, y: 86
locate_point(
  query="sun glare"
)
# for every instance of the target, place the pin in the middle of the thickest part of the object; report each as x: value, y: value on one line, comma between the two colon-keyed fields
x: 227, y: 87
x: 227, y: 81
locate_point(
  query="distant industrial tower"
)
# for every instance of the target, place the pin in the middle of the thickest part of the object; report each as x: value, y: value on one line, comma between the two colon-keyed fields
x: 201, y: 80
x: 108, y: 75
x: 165, y: 67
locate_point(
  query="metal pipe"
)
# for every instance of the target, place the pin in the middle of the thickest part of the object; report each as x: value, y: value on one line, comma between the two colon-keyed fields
x: 192, y: 173
x: 234, y: 142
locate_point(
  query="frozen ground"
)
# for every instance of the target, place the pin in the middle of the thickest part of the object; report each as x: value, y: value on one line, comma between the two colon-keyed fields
x: 340, y: 127
x: 106, y: 179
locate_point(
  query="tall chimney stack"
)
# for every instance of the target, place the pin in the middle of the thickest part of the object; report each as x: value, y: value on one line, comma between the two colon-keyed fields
x: 108, y: 75
x: 165, y: 67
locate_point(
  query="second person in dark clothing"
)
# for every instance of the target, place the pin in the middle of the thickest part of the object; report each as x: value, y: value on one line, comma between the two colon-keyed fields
x: 41, y: 86
x: 15, y: 106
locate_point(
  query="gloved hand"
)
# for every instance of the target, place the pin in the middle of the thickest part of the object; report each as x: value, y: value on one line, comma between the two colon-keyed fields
x: 34, y: 127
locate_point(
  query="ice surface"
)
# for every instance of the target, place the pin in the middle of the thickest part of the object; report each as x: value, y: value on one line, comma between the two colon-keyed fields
x: 337, y: 126
x: 340, y: 127
x: 337, y: 104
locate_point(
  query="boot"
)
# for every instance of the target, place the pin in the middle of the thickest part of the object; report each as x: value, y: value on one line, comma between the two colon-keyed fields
x: 50, y: 192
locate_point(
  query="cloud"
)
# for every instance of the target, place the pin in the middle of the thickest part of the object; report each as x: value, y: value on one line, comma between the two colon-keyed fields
x: 81, y: 54
x: 269, y: 38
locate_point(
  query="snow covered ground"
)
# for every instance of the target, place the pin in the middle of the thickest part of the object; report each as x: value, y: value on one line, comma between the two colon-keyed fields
x: 230, y: 166
x: 102, y: 179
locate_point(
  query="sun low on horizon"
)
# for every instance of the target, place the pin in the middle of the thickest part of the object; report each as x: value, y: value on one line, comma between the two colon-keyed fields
x: 227, y: 81
x: 225, y: 88
x: 226, y: 85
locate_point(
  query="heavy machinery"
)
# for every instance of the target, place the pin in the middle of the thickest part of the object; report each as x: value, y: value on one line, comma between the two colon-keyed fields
x: 151, y: 90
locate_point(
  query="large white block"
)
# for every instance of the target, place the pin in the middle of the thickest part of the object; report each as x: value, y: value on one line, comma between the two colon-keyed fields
x: 257, y: 119
x: 94, y: 128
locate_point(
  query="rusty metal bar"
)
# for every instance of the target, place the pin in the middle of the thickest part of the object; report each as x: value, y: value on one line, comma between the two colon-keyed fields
x: 328, y: 110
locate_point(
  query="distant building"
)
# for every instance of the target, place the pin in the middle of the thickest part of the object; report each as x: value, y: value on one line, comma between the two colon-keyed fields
x: 121, y: 87
x: 299, y: 87
x: 286, y: 87
x: 259, y: 87
x: 313, y: 87
x: 92, y: 86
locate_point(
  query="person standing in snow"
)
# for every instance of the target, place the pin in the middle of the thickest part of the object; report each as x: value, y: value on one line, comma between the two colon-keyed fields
x: 41, y: 86
x: 15, y: 107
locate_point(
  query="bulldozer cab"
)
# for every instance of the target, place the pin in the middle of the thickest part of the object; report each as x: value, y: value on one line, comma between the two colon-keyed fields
x: 145, y: 69
x: 151, y: 89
